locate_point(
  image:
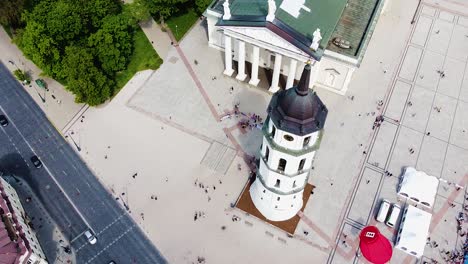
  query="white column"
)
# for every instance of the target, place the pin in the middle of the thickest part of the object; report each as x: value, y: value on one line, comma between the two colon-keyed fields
x: 292, y: 73
x: 255, y: 56
x: 241, y: 69
x: 276, y: 73
x: 228, y: 56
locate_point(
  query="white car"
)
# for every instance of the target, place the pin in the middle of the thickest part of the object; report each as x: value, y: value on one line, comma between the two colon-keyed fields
x: 392, y: 218
x: 91, y: 238
x: 383, y: 211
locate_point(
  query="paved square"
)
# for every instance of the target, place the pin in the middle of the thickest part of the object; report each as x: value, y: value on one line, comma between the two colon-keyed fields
x: 190, y: 155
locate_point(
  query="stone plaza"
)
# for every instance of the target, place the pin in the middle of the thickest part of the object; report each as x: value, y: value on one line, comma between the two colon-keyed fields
x: 169, y: 148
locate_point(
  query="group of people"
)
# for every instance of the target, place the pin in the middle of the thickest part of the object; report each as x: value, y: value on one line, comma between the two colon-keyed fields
x: 378, y: 121
x: 252, y: 121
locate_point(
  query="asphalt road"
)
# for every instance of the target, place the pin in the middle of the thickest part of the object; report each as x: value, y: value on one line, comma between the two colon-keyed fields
x: 74, y: 197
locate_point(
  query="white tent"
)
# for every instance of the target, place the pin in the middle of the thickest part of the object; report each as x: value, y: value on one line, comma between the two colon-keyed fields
x: 413, y: 231
x: 418, y: 187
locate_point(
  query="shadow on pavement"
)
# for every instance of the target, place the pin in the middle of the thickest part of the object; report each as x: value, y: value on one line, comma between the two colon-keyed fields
x: 17, y: 173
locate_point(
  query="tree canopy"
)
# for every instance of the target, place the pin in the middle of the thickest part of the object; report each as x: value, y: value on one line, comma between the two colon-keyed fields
x: 10, y: 12
x: 82, y: 43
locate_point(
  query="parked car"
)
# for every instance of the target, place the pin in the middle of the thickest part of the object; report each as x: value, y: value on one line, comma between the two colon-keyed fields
x: 112, y: 262
x: 36, y: 162
x: 392, y: 218
x: 91, y: 238
x: 3, y: 121
x: 383, y: 211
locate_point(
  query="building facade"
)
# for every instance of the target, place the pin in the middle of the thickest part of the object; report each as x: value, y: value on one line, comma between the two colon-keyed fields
x: 282, y: 36
x: 18, y: 242
x: 291, y: 136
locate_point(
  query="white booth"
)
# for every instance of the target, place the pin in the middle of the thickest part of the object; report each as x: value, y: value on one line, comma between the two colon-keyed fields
x: 418, y: 187
x: 413, y: 231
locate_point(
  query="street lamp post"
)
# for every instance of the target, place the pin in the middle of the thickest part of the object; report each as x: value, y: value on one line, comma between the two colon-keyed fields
x: 177, y: 31
x: 76, y: 145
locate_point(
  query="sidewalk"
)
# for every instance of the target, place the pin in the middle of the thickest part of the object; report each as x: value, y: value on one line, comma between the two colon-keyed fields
x: 159, y: 39
x: 59, y: 105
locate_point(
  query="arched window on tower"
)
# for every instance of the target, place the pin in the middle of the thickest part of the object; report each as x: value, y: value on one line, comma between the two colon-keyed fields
x: 282, y: 165
x: 278, y: 182
x: 273, y: 131
x: 301, y: 164
x: 294, y: 185
x: 306, y: 142
x: 267, y: 153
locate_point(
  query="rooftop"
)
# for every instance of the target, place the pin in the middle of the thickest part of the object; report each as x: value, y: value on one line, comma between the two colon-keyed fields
x: 12, y: 245
x: 293, y: 16
x: 354, y: 26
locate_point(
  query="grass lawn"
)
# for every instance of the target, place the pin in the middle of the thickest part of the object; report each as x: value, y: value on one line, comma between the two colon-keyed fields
x: 183, y: 21
x: 144, y: 57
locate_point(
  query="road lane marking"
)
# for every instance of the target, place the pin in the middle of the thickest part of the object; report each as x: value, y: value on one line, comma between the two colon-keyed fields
x: 50, y: 173
x: 110, y: 244
x: 109, y: 225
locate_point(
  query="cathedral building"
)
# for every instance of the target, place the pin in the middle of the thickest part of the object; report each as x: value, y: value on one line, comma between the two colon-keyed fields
x: 280, y: 36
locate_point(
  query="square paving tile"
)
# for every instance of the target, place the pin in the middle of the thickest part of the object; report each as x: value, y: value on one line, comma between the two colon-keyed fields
x: 365, y: 196
x: 464, y: 87
x: 459, y: 135
x: 444, y: 15
x: 401, y: 156
x: 432, y: 155
x: 429, y: 11
x: 439, y: 37
x: 463, y: 21
x: 441, y: 118
x: 398, y: 99
x: 428, y: 77
x: 410, y: 63
x: 456, y: 165
x: 457, y: 47
x: 450, y: 85
x: 417, y: 113
x: 422, y: 30
x: 383, y: 143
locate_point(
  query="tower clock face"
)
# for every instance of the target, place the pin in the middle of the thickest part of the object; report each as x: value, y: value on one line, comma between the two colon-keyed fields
x: 288, y: 138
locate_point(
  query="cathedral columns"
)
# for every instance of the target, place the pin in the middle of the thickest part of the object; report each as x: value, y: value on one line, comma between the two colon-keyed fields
x: 241, y: 69
x: 256, y: 57
x: 292, y: 73
x: 276, y: 73
x: 228, y: 56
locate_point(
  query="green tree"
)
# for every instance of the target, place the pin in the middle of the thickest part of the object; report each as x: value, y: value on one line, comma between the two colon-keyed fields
x: 84, y: 79
x: 165, y: 8
x: 10, y: 12
x: 112, y: 44
x: 202, y: 5
x: 39, y: 47
x: 96, y: 10
x: 138, y: 10
x: 63, y: 21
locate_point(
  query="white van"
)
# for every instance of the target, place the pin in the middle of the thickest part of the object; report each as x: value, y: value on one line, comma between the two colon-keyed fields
x: 393, y: 216
x: 383, y: 211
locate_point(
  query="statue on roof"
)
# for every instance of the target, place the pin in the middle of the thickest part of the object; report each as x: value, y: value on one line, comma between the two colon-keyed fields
x: 227, y: 10
x: 271, y: 10
x: 316, y: 40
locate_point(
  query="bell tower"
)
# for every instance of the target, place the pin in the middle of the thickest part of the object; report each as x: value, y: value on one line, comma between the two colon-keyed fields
x: 291, y: 136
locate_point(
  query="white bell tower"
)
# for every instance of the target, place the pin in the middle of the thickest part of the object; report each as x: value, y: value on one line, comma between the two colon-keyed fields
x: 291, y: 134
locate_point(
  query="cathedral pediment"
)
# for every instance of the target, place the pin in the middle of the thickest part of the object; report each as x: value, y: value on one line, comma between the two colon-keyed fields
x: 265, y: 38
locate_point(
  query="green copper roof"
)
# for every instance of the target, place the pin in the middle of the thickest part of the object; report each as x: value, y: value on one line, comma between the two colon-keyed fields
x: 355, y: 26
x: 324, y: 14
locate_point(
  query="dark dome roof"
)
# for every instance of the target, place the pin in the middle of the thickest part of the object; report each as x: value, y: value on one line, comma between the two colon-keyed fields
x: 298, y: 110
